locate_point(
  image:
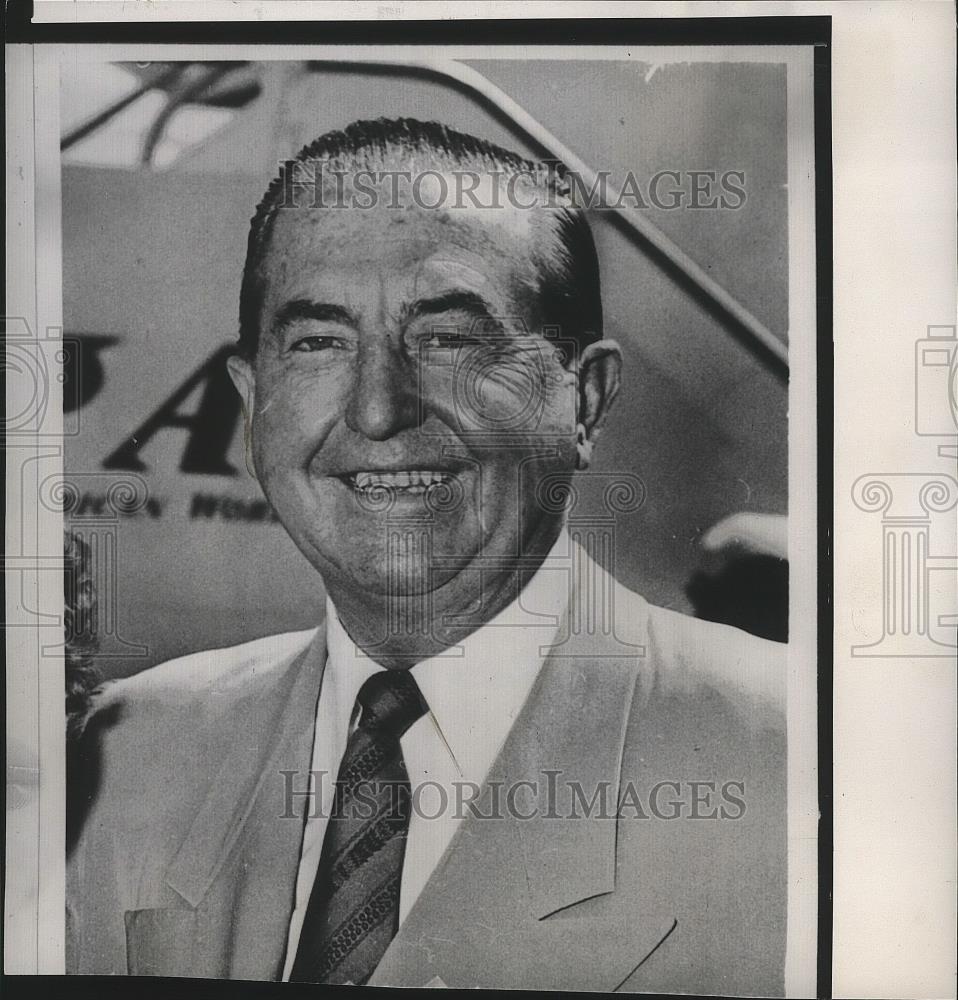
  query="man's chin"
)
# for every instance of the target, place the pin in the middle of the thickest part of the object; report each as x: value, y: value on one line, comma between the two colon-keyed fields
x: 402, y: 576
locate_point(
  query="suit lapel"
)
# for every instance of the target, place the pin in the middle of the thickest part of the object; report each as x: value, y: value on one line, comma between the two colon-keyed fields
x: 236, y: 868
x: 571, y: 740
x: 530, y: 902
x: 261, y: 885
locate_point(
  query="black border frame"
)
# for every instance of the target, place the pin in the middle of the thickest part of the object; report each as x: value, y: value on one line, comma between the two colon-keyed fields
x: 771, y: 30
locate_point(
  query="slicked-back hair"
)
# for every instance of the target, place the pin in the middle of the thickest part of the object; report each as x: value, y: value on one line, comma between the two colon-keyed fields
x: 569, y: 290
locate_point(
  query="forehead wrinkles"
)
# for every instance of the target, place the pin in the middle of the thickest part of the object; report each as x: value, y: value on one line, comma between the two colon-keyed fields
x: 488, y: 244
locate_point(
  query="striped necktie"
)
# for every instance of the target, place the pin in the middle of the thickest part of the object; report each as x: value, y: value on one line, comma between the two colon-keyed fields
x: 353, y: 909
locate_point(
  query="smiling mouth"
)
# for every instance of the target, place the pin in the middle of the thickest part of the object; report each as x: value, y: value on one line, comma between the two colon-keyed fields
x: 410, y: 481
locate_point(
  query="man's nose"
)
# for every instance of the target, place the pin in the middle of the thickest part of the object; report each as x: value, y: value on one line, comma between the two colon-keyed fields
x: 385, y: 393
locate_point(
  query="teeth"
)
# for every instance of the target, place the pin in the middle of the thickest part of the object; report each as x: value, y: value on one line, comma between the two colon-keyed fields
x: 416, y: 480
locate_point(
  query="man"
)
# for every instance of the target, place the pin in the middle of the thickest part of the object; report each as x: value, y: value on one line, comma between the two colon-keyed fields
x: 541, y: 780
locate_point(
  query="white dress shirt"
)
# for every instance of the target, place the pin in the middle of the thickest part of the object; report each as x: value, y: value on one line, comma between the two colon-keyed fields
x: 474, y: 691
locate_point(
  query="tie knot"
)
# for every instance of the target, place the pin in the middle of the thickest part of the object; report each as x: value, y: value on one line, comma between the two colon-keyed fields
x: 391, y: 702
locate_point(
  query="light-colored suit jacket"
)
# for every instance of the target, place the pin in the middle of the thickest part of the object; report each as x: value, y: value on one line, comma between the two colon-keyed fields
x: 187, y: 858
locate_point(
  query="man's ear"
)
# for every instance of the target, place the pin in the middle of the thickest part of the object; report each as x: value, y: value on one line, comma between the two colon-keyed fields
x: 241, y: 375
x: 600, y: 370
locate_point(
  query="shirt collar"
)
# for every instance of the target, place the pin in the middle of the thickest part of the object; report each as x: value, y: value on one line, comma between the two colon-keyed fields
x: 476, y: 688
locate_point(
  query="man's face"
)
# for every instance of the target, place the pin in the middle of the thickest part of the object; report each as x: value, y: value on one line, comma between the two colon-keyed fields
x: 402, y: 385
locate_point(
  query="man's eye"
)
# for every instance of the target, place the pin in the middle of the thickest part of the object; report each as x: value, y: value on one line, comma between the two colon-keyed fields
x: 315, y: 343
x: 450, y: 338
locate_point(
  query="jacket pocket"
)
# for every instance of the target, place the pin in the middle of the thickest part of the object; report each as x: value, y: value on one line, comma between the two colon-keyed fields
x: 160, y: 942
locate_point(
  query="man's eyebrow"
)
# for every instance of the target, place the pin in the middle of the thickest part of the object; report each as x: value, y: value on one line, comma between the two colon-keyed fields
x: 458, y: 300
x: 323, y: 312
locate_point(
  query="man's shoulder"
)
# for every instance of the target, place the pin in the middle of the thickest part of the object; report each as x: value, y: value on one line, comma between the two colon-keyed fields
x: 686, y: 657
x: 220, y: 672
x: 191, y: 700
x: 152, y: 730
